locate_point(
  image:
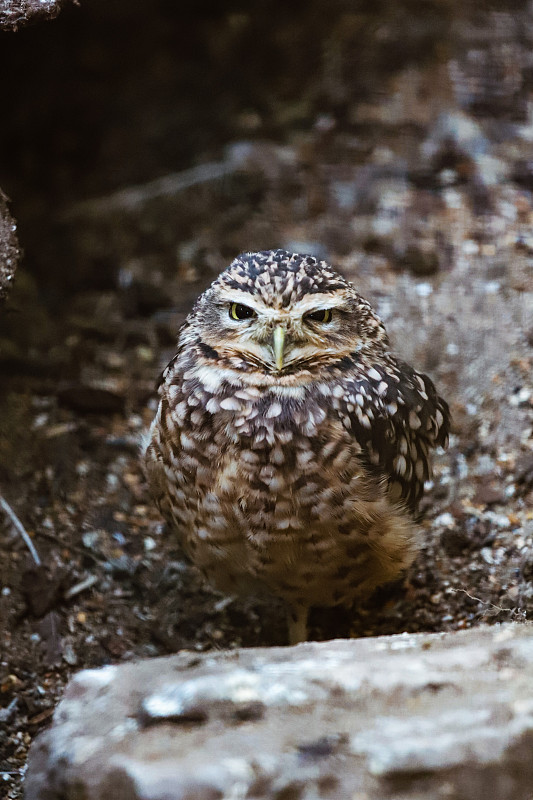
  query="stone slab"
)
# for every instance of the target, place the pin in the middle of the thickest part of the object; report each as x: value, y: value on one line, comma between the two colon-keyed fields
x: 413, y: 716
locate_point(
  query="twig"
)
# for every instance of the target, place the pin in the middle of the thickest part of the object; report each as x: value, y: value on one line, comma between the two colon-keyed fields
x: 86, y: 583
x: 484, y: 602
x: 83, y: 551
x: 134, y: 197
x: 17, y: 524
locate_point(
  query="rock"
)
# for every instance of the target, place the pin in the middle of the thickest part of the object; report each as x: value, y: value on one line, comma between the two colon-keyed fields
x: 421, y: 716
x: 9, y: 249
x: 42, y: 586
x: 524, y: 471
x: 455, y: 130
x: 488, y: 493
x: 455, y: 541
x: 90, y: 399
x: 312, y: 248
x: 420, y: 261
x: 15, y: 13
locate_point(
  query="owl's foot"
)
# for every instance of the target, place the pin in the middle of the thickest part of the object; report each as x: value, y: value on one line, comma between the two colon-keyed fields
x: 297, y: 623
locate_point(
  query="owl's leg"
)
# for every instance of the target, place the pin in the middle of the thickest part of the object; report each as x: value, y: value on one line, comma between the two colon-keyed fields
x: 297, y: 622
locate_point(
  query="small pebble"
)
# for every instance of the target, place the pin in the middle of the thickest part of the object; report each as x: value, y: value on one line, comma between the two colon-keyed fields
x: 446, y: 519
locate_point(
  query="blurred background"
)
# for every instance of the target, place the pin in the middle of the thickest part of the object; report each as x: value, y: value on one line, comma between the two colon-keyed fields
x: 143, y: 146
x: 142, y: 150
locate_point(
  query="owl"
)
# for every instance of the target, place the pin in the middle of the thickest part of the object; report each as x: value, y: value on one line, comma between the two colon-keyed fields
x: 290, y: 447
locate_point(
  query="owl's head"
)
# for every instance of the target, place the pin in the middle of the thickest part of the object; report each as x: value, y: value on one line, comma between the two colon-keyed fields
x: 282, y: 312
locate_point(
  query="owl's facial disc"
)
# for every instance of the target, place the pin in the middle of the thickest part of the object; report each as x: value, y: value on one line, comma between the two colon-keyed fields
x: 278, y: 339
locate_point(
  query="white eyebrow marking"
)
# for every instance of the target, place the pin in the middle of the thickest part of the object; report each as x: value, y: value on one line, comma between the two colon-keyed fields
x: 247, y: 299
x: 310, y: 302
x: 320, y: 300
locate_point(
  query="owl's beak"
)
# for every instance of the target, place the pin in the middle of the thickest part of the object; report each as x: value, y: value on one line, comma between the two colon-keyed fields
x: 279, y: 345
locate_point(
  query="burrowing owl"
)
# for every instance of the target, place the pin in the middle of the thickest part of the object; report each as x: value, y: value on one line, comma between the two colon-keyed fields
x: 290, y: 447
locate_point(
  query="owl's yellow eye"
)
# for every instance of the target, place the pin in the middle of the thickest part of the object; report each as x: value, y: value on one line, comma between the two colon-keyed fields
x: 322, y: 315
x: 240, y: 311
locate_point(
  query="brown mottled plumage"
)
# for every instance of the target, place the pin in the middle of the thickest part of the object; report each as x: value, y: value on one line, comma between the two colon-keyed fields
x: 290, y: 446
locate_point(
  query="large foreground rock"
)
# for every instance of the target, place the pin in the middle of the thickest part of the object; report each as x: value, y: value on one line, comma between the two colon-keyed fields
x: 410, y: 716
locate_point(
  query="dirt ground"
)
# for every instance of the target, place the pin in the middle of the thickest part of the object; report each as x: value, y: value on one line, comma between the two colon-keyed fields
x: 113, y: 584
x: 430, y: 217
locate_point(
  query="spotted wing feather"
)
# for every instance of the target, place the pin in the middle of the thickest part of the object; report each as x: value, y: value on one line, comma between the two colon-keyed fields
x: 397, y: 417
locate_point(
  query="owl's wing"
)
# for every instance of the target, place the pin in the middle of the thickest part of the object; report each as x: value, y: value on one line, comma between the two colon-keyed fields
x: 397, y: 417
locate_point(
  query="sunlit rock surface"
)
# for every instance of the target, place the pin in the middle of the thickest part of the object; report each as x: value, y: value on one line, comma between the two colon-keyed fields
x: 424, y: 716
